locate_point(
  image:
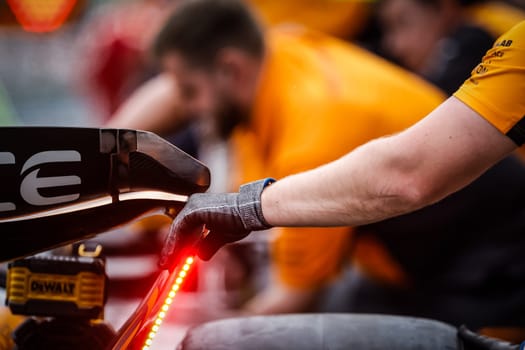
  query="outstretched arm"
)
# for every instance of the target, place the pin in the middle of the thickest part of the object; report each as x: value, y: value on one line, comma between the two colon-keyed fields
x: 386, y: 177
x: 393, y: 175
x: 154, y: 107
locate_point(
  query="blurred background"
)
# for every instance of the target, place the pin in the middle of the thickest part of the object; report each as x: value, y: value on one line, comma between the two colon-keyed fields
x: 56, y: 54
x: 74, y: 63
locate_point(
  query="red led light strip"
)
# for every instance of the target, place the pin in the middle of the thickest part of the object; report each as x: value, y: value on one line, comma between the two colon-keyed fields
x: 167, y: 302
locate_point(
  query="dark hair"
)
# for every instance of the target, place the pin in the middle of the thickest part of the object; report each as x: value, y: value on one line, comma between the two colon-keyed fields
x: 198, y: 29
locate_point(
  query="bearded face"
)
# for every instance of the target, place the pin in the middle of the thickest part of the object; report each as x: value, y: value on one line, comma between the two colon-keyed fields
x: 227, y: 116
x: 206, y: 95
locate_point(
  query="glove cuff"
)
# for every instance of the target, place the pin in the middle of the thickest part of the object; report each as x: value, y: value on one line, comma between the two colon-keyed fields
x: 249, y: 203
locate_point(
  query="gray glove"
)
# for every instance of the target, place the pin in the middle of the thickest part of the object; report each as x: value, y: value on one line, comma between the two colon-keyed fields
x: 228, y: 217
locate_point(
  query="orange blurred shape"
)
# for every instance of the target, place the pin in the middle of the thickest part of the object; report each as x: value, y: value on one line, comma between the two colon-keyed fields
x: 41, y: 16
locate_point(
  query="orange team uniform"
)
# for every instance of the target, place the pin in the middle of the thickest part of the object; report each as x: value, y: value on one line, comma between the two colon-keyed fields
x: 341, y: 18
x: 496, y: 88
x: 496, y: 17
x: 318, y: 99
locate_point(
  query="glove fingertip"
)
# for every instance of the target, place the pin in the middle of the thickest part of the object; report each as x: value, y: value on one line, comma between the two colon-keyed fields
x: 207, y: 251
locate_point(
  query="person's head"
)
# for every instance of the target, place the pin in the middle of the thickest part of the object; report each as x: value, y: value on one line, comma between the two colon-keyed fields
x: 412, y: 28
x: 214, y: 49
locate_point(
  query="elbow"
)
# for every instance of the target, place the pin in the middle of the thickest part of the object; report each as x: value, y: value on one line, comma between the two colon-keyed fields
x: 416, y: 192
x: 411, y: 179
x: 402, y: 180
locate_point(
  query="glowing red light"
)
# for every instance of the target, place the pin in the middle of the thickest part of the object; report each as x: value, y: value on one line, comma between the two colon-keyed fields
x: 181, y: 275
x: 41, y: 15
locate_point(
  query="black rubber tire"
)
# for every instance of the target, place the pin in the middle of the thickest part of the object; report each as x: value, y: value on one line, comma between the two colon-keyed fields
x: 322, y: 331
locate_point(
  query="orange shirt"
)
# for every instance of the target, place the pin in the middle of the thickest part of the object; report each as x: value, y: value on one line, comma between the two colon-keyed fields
x: 318, y: 99
x: 342, y: 18
x: 496, y: 88
x: 496, y: 17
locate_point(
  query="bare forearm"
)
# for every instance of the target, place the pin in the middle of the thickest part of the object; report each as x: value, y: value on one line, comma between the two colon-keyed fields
x: 348, y: 191
x: 153, y: 107
x: 390, y: 176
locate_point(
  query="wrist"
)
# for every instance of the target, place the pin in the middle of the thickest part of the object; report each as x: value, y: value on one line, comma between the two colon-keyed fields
x: 250, y: 204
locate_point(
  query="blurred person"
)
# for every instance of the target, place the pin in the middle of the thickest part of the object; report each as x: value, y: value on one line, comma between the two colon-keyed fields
x: 116, y: 39
x: 394, y: 175
x: 343, y: 19
x: 434, y: 39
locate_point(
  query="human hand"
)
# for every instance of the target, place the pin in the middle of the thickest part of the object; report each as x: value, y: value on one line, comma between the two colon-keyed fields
x: 210, y: 220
